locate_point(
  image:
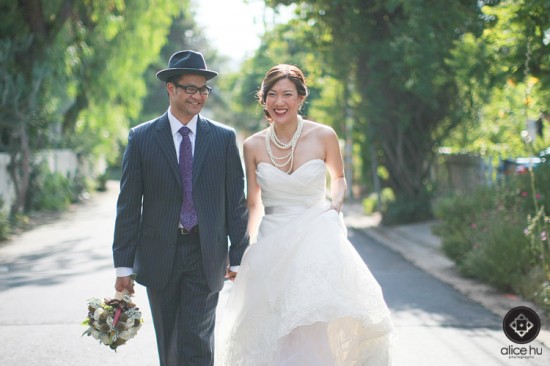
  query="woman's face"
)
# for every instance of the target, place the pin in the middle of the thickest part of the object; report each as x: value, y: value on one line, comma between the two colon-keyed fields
x: 283, y: 102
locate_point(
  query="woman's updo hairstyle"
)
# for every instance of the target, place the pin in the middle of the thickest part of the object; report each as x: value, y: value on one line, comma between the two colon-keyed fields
x: 279, y: 72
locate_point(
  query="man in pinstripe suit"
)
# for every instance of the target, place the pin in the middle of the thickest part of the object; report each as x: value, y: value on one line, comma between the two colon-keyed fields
x: 182, y: 267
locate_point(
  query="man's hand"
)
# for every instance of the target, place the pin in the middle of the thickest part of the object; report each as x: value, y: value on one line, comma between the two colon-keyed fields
x: 230, y: 275
x: 125, y: 283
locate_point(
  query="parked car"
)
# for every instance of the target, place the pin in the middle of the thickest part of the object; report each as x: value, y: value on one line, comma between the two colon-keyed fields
x: 521, y: 165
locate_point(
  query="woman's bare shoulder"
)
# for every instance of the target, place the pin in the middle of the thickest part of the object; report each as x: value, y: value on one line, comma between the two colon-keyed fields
x: 255, y: 138
x: 255, y: 142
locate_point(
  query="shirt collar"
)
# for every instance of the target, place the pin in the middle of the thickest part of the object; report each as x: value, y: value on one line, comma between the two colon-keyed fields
x: 175, y: 125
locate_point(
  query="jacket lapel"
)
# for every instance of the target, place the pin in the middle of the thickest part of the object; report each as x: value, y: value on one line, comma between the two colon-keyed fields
x: 165, y: 141
x: 202, y: 145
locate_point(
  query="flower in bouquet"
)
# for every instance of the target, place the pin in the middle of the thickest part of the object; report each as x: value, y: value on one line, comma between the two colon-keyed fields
x: 112, y: 321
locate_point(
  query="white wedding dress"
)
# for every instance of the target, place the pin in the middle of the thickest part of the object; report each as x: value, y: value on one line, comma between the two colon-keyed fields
x: 303, y: 295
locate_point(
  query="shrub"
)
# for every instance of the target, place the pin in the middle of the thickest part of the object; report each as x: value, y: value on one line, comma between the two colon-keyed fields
x: 407, y: 210
x: 5, y: 227
x: 458, y: 216
x: 370, y: 204
x: 499, y: 234
x: 536, y: 287
x: 49, y: 191
x: 500, y: 254
x: 80, y: 188
x: 102, y: 182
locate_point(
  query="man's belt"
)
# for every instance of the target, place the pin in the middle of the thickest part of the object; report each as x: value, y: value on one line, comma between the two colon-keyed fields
x: 193, y: 230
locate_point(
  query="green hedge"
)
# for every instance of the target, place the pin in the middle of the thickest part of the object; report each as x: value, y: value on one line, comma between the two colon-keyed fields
x: 499, y: 234
x: 5, y: 227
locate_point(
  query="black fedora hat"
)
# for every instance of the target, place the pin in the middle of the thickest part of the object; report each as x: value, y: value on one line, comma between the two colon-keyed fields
x: 186, y: 62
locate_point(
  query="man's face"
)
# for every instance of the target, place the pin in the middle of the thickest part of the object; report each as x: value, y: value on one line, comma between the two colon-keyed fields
x: 185, y: 105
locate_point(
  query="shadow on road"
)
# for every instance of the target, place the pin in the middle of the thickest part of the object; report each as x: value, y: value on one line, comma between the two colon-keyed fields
x: 78, y: 243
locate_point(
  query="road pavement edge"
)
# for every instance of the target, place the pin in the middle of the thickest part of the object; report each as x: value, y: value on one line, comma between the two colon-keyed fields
x: 435, y: 263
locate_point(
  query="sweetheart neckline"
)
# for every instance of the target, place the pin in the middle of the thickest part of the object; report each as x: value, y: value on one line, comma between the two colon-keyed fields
x: 295, y: 170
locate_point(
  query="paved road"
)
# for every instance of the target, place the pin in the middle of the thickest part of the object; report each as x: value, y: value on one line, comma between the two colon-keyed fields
x: 435, y: 324
x: 47, y: 274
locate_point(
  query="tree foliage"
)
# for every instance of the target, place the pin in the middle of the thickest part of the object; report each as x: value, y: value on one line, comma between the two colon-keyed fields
x: 70, y: 74
x: 284, y: 44
x: 393, y: 53
x: 504, y: 79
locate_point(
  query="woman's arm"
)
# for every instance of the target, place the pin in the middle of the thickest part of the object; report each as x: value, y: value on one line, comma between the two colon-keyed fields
x: 335, y: 165
x: 253, y: 195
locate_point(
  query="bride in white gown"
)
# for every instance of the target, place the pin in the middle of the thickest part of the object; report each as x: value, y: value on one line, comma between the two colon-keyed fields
x: 302, y: 296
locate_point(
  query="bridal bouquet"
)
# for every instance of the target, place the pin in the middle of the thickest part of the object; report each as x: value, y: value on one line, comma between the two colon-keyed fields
x: 112, y: 321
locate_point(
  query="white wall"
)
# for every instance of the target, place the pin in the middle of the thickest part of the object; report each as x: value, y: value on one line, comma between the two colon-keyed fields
x: 7, y: 190
x: 63, y: 161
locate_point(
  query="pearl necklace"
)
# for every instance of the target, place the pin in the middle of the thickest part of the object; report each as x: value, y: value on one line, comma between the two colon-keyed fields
x: 271, y: 137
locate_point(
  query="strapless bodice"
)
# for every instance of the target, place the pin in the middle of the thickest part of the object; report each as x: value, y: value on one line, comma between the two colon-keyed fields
x: 305, y: 187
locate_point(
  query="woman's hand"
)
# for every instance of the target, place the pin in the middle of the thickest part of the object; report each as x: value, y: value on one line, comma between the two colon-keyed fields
x: 230, y: 275
x: 336, y: 206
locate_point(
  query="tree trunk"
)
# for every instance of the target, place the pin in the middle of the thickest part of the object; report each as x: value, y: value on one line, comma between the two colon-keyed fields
x: 20, y: 169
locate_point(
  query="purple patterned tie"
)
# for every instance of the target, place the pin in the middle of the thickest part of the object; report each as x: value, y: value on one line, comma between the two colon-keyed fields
x: 188, y: 216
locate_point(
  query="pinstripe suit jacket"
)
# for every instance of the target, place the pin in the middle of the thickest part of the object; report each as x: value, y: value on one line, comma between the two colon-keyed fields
x: 151, y: 194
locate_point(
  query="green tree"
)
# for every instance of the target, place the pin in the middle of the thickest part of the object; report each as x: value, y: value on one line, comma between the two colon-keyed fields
x: 285, y: 43
x: 28, y: 30
x: 108, y: 68
x: 395, y: 53
x: 70, y: 72
x: 504, y: 79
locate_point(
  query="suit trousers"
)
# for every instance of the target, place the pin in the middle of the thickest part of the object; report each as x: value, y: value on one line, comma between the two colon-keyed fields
x: 184, y: 312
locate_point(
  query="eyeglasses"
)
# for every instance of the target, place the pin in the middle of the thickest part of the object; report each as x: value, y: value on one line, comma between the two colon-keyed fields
x: 191, y: 89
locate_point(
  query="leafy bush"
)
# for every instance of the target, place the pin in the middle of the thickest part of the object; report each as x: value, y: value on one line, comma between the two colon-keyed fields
x: 55, y: 195
x: 500, y: 254
x: 536, y: 287
x: 370, y: 203
x: 102, y: 182
x: 49, y: 191
x: 80, y: 188
x: 5, y: 227
x: 458, y: 216
x: 499, y: 234
x: 406, y: 210
x: 533, y: 188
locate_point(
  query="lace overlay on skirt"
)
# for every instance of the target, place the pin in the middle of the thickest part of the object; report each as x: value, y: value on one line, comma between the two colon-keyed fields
x: 303, y: 295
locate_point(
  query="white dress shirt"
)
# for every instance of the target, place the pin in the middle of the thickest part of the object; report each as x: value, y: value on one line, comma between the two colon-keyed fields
x: 175, y: 126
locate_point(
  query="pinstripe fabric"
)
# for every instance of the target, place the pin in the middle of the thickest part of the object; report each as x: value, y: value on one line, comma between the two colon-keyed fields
x: 148, y: 207
x: 184, y: 311
x: 151, y: 194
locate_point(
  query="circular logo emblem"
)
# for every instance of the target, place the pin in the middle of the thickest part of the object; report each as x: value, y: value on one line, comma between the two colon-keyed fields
x: 521, y: 325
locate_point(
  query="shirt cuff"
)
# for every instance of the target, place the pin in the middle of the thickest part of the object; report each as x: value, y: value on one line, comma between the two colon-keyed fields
x: 124, y: 271
x: 234, y: 268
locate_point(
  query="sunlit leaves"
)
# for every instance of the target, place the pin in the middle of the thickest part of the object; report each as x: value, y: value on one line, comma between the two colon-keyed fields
x: 502, y: 80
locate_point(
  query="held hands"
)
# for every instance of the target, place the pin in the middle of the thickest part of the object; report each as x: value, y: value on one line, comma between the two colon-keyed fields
x: 230, y: 275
